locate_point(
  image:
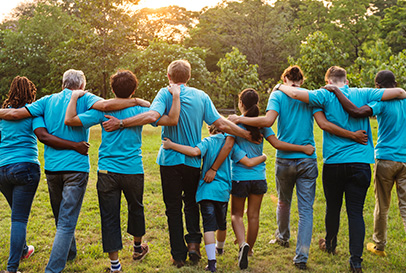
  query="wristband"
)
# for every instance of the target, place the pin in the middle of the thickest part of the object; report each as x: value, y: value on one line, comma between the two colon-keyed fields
x: 121, y: 124
x: 277, y: 86
x: 213, y: 169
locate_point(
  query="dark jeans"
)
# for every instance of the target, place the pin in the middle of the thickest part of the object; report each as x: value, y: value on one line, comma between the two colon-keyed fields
x: 66, y: 193
x: 214, y: 214
x: 18, y: 183
x: 109, y: 187
x: 353, y: 179
x: 179, y: 184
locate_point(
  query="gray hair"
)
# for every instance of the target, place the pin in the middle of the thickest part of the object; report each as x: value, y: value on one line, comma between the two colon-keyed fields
x: 73, y: 79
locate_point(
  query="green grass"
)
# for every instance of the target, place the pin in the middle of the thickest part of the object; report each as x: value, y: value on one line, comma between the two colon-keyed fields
x: 268, y: 258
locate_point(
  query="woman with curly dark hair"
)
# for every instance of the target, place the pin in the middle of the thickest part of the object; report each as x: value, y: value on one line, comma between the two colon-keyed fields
x: 19, y: 165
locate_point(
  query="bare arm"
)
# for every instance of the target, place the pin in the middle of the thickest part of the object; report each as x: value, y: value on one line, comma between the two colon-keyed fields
x: 284, y: 146
x: 224, y: 152
x: 173, y: 116
x: 251, y: 162
x: 71, y: 117
x: 359, y: 136
x: 141, y: 119
x: 295, y: 93
x: 264, y: 121
x: 59, y: 143
x: 229, y: 127
x: 14, y: 114
x: 349, y: 107
x: 186, y: 150
x: 393, y: 93
x: 118, y: 104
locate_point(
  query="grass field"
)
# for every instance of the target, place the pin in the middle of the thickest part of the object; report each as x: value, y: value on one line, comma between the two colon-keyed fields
x: 267, y: 257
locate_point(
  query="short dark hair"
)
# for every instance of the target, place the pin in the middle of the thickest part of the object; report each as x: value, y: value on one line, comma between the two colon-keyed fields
x: 336, y: 74
x: 385, y: 79
x: 293, y: 73
x: 179, y: 71
x: 123, y: 83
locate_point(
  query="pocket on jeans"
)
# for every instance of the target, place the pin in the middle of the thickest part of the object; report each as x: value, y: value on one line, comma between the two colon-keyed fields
x: 23, y: 174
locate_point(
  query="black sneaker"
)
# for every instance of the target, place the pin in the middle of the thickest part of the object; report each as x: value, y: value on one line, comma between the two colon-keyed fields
x: 211, y: 266
x: 301, y: 266
x: 219, y: 251
x: 243, y: 256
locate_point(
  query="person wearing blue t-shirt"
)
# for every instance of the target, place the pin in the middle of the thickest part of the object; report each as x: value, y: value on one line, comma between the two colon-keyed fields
x: 213, y: 196
x: 180, y: 173
x: 66, y: 170
x: 346, y: 163
x: 120, y: 166
x: 295, y: 125
x: 19, y: 165
x: 390, y: 155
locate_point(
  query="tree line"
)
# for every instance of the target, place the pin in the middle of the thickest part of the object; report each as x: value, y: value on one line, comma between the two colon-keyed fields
x: 236, y: 44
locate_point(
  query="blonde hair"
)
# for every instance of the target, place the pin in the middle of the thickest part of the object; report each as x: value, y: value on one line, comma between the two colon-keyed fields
x: 179, y: 71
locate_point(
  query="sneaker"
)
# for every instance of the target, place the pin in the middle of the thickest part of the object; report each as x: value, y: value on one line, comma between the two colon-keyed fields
x: 372, y: 247
x: 108, y: 270
x: 211, y: 266
x: 219, y: 251
x: 356, y: 269
x: 301, y: 266
x: 29, y: 253
x: 176, y: 263
x: 243, y: 256
x: 138, y: 256
x: 323, y: 247
x: 194, y: 252
x: 280, y: 242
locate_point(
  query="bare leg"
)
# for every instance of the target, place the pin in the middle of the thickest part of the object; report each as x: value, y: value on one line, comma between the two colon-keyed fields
x: 237, y: 213
x: 254, y: 206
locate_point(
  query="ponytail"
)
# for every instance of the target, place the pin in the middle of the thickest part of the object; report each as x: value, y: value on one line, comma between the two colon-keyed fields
x: 249, y: 99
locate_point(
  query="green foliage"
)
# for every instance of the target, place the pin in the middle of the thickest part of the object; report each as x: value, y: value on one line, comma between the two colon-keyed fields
x: 394, y: 26
x: 236, y: 74
x: 377, y: 56
x: 317, y: 54
x: 150, y: 66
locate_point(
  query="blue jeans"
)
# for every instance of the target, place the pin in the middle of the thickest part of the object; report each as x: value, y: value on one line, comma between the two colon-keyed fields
x: 303, y: 173
x: 214, y: 214
x: 109, y: 188
x: 66, y: 192
x: 353, y: 179
x: 18, y: 183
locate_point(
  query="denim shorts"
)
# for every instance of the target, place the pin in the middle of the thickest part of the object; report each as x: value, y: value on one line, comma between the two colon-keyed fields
x: 214, y: 214
x: 247, y: 187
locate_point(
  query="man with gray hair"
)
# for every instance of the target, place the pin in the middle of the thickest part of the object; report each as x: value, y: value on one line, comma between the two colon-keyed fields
x: 66, y: 170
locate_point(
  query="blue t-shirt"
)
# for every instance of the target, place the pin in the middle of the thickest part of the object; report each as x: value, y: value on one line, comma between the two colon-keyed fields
x: 120, y: 150
x: 295, y: 123
x: 240, y: 172
x: 337, y: 149
x: 219, y: 189
x: 18, y: 142
x: 391, y: 115
x: 53, y: 109
x: 196, y: 107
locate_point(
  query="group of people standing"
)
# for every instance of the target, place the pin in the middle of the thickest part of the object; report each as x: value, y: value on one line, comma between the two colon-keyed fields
x: 233, y: 162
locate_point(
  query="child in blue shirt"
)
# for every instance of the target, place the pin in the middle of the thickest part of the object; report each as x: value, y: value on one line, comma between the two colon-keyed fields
x: 213, y: 197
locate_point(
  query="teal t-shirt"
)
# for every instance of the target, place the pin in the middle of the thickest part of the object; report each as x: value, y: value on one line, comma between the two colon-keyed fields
x: 337, y: 149
x: 391, y: 115
x: 240, y: 172
x: 196, y: 107
x: 295, y: 123
x: 53, y: 109
x: 18, y: 142
x: 219, y: 189
x: 120, y: 150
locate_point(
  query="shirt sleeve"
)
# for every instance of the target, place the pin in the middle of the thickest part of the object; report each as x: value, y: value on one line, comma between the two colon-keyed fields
x: 376, y: 107
x: 237, y: 153
x: 91, y: 117
x: 91, y: 99
x: 273, y: 102
x: 37, y: 108
x: 210, y: 111
x: 203, y: 146
x: 267, y: 131
x: 372, y: 94
x: 317, y: 98
x: 38, y: 122
x: 159, y: 103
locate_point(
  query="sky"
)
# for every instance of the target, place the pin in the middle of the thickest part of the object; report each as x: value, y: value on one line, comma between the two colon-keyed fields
x: 7, y: 5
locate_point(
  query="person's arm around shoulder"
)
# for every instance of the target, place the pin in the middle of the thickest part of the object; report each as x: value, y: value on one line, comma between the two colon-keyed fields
x: 359, y: 136
x: 264, y: 121
x: 349, y: 107
x: 232, y: 129
x: 293, y: 92
x: 251, y: 162
x: 224, y: 152
x: 14, y: 114
x: 393, y: 93
x: 184, y: 149
x: 71, y: 117
x: 284, y: 146
x: 118, y: 104
x: 173, y: 116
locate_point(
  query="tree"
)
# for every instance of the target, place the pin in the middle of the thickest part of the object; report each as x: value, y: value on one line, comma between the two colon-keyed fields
x: 393, y: 26
x: 150, y: 67
x: 236, y: 75
x: 317, y: 54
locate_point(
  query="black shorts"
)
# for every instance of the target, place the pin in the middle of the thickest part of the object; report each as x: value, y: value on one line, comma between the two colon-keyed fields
x: 245, y: 188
